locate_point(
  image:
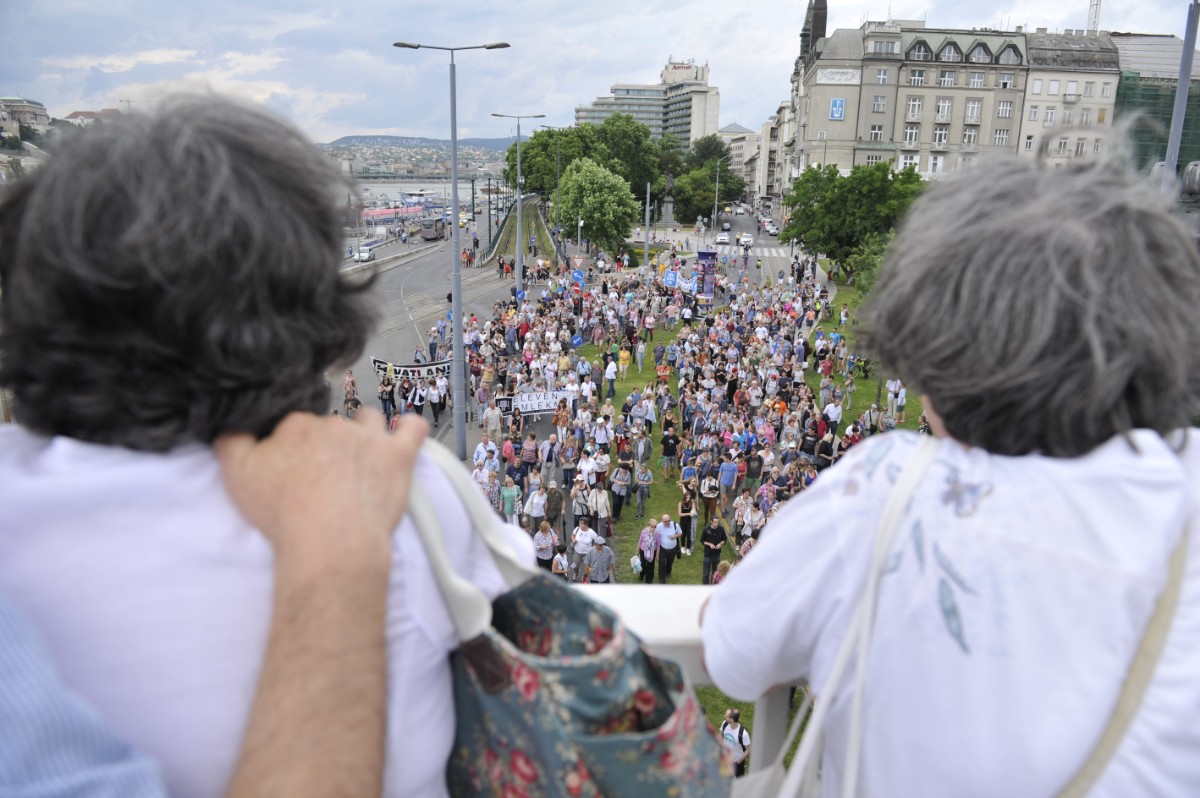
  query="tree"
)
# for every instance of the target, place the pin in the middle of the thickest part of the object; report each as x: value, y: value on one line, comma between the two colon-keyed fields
x: 707, y: 148
x: 837, y: 215
x: 602, y: 199
x: 29, y: 134
x: 632, y: 153
x: 863, y: 263
x: 540, y: 155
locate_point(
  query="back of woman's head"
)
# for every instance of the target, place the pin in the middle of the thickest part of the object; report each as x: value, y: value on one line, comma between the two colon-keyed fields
x: 174, y: 275
x: 1043, y: 309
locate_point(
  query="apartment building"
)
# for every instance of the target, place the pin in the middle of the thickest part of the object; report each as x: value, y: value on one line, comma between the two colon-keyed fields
x: 1070, y: 94
x: 1149, y: 78
x: 681, y: 103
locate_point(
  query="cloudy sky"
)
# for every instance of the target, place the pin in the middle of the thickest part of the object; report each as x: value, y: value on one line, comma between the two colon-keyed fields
x: 331, y: 66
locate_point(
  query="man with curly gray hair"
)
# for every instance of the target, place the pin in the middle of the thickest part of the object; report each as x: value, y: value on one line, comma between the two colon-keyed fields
x: 1034, y: 599
x: 169, y: 279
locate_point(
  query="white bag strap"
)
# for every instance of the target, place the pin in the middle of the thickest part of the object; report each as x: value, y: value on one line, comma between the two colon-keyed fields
x: 470, y: 608
x: 859, y: 630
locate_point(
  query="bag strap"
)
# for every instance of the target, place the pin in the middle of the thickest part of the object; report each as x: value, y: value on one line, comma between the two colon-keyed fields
x: 1137, y: 679
x: 469, y: 607
x: 858, y: 628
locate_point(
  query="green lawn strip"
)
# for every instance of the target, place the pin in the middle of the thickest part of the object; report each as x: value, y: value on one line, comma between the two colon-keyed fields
x: 868, y: 391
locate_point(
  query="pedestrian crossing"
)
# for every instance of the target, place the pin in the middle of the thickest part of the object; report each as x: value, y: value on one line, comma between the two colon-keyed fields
x: 756, y: 251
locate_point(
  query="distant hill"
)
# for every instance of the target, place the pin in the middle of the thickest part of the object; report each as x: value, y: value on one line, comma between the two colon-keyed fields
x: 500, y: 145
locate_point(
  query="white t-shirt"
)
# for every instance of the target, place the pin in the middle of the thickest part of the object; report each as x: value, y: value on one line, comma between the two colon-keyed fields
x: 154, y: 598
x: 1014, y: 597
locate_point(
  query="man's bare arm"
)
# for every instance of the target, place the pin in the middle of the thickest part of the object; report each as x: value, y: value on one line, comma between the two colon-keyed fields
x: 328, y: 495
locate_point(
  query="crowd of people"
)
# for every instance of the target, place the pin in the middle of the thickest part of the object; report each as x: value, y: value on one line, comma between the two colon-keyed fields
x: 722, y: 413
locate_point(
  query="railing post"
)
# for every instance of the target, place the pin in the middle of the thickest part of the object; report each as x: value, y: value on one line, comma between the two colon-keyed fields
x: 770, y: 725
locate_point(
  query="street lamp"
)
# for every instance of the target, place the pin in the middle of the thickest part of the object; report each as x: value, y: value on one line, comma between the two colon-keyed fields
x: 520, y: 187
x: 458, y: 368
x: 579, y: 236
x: 557, y: 175
x: 717, y: 194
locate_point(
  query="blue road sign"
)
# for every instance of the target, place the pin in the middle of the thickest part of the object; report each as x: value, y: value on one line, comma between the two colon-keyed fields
x: 577, y: 341
x: 578, y: 276
x: 520, y: 295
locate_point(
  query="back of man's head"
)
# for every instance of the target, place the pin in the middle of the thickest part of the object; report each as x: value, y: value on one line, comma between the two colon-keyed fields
x: 170, y: 276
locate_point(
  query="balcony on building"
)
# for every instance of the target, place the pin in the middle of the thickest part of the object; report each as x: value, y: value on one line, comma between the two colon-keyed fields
x: 939, y: 146
x: 912, y: 116
x: 971, y: 119
x: 943, y: 119
x: 868, y: 144
x: 905, y: 144
x: 1070, y: 98
x: 967, y: 149
x: 667, y: 619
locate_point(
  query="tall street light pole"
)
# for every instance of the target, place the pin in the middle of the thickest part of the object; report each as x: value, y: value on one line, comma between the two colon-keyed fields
x: 520, y: 197
x: 458, y: 368
x: 489, y: 216
x: 717, y: 196
x: 557, y: 175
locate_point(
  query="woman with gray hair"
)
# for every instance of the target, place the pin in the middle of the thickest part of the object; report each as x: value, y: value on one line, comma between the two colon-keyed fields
x: 1035, y: 580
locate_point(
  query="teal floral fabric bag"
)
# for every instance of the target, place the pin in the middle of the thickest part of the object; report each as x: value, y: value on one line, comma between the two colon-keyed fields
x: 553, y: 695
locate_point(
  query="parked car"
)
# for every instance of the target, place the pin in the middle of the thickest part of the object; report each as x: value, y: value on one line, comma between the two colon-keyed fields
x: 364, y: 254
x: 746, y: 240
x: 722, y: 238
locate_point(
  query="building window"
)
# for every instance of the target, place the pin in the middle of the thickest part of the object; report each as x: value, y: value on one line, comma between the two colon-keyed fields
x: 1089, y: 89
x: 820, y: 135
x: 908, y: 161
x: 1064, y: 144
x: 1106, y: 89
x: 941, y: 134
x: 879, y: 104
x: 876, y: 132
x: 976, y: 80
x: 1006, y: 80
x: 1010, y: 56
x: 966, y: 162
x: 973, y: 108
x: 881, y: 76
x: 980, y: 55
x: 1072, y: 87
x: 914, y: 106
x: 1085, y: 117
x: 935, y: 163
x: 970, y: 135
x: 1004, y: 109
x: 1068, y: 117
x: 946, y: 78
x: 1080, y: 147
x: 1100, y: 114
x: 1049, y: 118
x: 1033, y: 109
x: 944, y: 108
x: 916, y: 77
x: 950, y: 53
x: 874, y: 159
x: 1028, y: 143
x: 912, y: 134
x: 1037, y: 86
x: 1096, y: 147
x: 919, y: 52
x: 1054, y: 84
x: 1000, y: 138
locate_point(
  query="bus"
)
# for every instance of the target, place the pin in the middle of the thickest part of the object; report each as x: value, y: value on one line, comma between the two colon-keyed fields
x: 433, y: 229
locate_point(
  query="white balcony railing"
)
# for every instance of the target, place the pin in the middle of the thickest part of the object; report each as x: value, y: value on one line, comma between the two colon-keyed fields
x: 667, y: 619
x: 971, y: 119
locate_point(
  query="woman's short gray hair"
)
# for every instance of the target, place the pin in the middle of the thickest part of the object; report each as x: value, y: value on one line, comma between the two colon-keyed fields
x: 1043, y: 309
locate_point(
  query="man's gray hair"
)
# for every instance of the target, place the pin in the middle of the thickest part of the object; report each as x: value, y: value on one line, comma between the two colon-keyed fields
x: 1043, y: 309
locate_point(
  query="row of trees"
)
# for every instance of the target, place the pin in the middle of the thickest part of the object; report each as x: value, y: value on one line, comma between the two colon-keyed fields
x: 852, y: 218
x: 605, y: 169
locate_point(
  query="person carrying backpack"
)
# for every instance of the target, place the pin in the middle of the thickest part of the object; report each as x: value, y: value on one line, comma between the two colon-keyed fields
x: 737, y: 740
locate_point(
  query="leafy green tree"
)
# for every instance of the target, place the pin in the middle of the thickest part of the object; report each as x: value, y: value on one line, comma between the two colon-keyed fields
x: 707, y: 148
x: 632, y: 153
x: 670, y: 155
x: 602, y: 199
x: 29, y: 134
x: 837, y: 215
x: 541, y: 153
x: 863, y: 263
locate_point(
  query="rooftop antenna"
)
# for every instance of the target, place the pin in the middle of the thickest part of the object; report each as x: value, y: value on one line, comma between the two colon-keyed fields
x: 1094, y: 15
x: 128, y: 105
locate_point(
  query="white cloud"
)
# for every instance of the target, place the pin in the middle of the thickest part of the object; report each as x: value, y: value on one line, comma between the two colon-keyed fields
x: 122, y: 62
